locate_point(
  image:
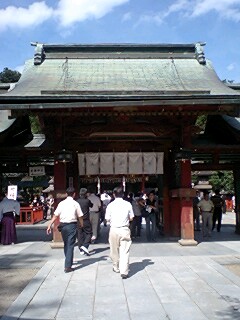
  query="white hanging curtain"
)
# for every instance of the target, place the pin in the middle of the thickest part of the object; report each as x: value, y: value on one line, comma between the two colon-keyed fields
x: 81, y: 164
x: 98, y: 185
x: 124, y: 184
x: 149, y: 163
x: 135, y: 163
x: 106, y: 163
x: 121, y: 164
x: 92, y: 163
x: 160, y: 156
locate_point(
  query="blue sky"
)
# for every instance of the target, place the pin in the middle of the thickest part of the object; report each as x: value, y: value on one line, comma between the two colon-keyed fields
x: 216, y: 22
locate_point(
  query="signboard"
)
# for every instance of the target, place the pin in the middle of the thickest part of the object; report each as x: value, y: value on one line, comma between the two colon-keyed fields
x: 37, y: 171
x: 12, y: 192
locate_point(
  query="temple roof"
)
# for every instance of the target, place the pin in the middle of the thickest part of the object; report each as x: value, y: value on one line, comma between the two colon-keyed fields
x: 119, y: 72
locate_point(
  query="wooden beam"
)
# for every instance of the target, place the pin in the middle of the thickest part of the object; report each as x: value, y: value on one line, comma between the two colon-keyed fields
x: 214, y: 167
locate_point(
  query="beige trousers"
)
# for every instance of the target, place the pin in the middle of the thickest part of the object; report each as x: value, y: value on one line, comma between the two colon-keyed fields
x: 120, y: 243
x: 94, y: 219
x: 207, y: 223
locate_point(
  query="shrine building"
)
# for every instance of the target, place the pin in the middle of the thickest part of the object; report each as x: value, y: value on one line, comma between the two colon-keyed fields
x: 125, y: 114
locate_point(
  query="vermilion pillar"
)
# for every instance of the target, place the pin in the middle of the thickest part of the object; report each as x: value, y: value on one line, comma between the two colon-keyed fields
x: 236, y: 175
x: 185, y: 195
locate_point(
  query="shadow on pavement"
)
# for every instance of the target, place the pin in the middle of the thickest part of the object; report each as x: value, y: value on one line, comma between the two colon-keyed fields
x: 138, y: 266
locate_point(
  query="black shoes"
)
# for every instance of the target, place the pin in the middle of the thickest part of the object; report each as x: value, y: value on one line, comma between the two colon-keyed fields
x: 124, y: 276
x: 67, y: 270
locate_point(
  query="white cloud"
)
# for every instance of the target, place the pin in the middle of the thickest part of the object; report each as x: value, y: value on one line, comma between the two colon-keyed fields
x: 127, y: 16
x: 226, y: 9
x: 180, y: 5
x: 231, y: 66
x: 35, y: 14
x: 159, y: 17
x: 69, y: 12
x: 19, y: 68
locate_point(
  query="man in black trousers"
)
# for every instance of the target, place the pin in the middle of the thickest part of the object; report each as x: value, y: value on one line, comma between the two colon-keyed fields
x: 69, y: 213
x: 84, y: 233
x: 217, y: 212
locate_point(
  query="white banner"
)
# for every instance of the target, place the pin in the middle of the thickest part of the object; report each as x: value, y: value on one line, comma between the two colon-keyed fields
x: 92, y: 163
x: 121, y: 163
x: 149, y: 163
x: 81, y: 164
x: 109, y: 163
x: 135, y: 165
x: 106, y: 163
x: 160, y: 156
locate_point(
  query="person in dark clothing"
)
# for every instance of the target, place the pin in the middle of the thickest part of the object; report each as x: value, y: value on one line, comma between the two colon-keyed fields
x: 8, y: 209
x: 84, y: 233
x: 217, y: 212
x: 151, y: 219
x: 135, y: 224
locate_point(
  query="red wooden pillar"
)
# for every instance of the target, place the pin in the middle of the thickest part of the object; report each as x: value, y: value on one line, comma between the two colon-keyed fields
x: 168, y: 167
x: 185, y: 195
x: 236, y: 175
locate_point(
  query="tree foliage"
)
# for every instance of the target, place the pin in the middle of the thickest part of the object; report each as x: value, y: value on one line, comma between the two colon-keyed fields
x: 35, y: 124
x: 201, y: 121
x: 222, y: 180
x: 9, y: 76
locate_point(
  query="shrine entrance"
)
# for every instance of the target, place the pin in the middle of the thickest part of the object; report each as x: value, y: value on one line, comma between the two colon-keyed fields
x: 124, y: 111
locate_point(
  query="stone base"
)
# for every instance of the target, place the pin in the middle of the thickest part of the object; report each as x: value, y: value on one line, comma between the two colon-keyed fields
x: 187, y: 242
x: 57, y: 245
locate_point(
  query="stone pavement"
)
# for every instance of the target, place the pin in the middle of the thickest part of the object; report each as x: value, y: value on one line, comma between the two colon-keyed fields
x: 166, y: 280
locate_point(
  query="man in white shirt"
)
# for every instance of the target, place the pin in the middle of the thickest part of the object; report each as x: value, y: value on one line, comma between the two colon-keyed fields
x: 206, y: 207
x: 69, y: 212
x: 119, y: 213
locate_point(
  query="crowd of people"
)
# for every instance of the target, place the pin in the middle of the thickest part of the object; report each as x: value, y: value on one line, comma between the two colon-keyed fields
x: 82, y: 215
x: 82, y: 219
x: 38, y: 199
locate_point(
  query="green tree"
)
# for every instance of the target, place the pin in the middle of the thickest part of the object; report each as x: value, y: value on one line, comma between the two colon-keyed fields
x: 201, y: 121
x: 9, y: 76
x: 222, y: 180
x: 35, y: 124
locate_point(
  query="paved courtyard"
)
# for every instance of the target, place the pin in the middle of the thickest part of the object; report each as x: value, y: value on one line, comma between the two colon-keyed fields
x: 166, y: 280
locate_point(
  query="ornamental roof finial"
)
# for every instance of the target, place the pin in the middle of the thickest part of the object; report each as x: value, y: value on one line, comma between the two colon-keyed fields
x: 200, y: 52
x: 39, y: 53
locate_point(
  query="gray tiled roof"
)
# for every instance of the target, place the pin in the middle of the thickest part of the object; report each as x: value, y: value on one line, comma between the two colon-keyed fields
x: 66, y: 70
x: 233, y: 122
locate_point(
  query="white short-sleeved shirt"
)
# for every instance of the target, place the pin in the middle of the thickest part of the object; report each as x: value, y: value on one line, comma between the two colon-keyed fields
x: 205, y: 205
x: 119, y: 212
x: 68, y: 210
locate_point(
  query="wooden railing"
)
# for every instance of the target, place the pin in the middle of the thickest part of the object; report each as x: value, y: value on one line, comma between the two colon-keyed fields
x: 30, y: 215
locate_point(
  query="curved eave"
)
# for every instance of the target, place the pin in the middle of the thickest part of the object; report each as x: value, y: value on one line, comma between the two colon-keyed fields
x: 98, y: 99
